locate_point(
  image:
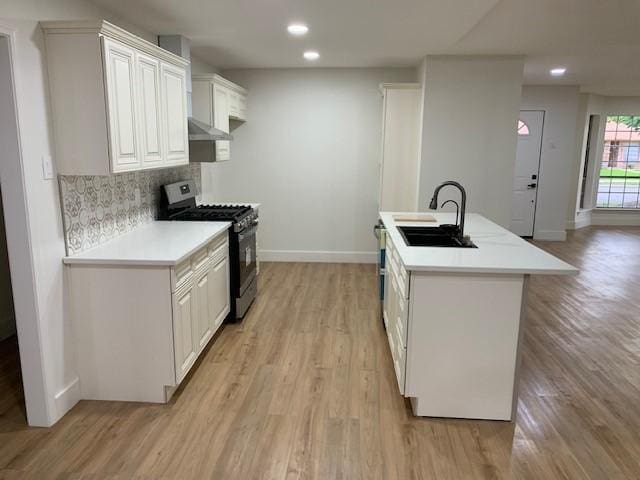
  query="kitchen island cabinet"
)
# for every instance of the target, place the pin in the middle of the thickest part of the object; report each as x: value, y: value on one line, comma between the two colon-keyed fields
x: 454, y: 317
x: 145, y: 305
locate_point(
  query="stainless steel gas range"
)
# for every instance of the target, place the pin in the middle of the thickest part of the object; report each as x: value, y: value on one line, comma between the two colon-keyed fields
x: 178, y: 202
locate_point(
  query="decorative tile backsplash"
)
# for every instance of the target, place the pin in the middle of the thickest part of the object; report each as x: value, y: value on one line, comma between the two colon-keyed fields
x: 98, y: 208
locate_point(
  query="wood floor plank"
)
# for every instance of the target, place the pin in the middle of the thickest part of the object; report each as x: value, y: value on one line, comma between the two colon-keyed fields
x: 304, y: 388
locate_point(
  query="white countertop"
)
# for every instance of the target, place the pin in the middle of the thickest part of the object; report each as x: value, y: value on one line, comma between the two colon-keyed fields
x: 499, y: 251
x: 156, y: 243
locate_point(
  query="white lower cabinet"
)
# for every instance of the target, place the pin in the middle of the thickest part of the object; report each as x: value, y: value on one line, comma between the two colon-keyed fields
x: 139, y: 329
x: 395, y: 311
x: 185, y: 340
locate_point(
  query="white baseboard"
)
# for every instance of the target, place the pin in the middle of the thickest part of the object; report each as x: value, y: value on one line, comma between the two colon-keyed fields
x: 616, y: 218
x: 317, y: 256
x: 583, y: 219
x: 551, y: 235
x: 66, y: 398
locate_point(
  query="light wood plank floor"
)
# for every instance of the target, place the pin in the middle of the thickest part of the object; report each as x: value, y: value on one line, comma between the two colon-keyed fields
x: 305, y: 388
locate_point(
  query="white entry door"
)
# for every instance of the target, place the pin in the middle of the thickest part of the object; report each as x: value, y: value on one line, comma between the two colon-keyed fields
x: 526, y: 174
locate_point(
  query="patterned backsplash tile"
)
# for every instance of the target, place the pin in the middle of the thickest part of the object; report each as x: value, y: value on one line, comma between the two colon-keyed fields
x: 99, y: 208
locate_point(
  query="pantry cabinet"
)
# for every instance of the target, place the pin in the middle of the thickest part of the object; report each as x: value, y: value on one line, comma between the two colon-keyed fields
x: 119, y: 103
x: 217, y: 101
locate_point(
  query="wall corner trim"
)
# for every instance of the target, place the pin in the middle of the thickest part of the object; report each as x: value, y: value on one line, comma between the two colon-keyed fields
x: 66, y: 399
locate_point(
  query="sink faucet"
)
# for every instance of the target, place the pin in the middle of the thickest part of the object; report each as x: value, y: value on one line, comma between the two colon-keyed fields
x: 433, y: 205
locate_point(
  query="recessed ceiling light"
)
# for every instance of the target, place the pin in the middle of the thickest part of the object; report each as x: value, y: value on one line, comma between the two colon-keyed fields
x: 311, y: 55
x: 297, y: 29
x: 557, y: 72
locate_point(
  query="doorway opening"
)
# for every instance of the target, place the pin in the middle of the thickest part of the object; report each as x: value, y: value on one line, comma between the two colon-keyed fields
x: 22, y: 367
x: 526, y: 175
x: 11, y: 392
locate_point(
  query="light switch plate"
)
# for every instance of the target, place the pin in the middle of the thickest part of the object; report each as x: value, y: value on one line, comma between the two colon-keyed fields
x: 47, y: 167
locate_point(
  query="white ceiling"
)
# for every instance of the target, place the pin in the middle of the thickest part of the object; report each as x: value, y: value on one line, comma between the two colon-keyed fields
x: 597, y: 40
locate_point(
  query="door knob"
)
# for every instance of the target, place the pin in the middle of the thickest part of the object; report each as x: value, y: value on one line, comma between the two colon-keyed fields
x: 532, y: 185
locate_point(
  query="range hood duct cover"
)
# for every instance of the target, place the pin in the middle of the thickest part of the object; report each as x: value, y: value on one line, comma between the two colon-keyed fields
x: 201, y: 132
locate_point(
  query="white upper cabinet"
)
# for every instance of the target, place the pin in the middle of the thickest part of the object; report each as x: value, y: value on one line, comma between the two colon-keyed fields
x: 148, y: 71
x: 119, y: 103
x: 174, y: 102
x: 216, y: 101
x: 121, y: 94
x: 221, y: 120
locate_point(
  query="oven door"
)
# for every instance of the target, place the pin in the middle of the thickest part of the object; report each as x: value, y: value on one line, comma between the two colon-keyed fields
x: 247, y: 257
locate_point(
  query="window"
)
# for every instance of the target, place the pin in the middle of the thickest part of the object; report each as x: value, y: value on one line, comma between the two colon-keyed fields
x: 523, y: 129
x: 619, y: 185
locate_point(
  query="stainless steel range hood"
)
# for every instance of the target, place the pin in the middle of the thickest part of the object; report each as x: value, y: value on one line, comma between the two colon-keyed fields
x: 201, y: 132
x: 202, y: 137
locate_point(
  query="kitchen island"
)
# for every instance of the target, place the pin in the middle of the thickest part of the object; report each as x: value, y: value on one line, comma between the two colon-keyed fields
x: 455, y: 316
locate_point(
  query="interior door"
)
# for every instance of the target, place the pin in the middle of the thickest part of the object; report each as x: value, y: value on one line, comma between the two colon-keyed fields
x: 526, y: 173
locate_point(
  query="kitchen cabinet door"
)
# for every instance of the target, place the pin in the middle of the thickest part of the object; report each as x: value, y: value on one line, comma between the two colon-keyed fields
x: 148, y: 75
x: 184, y: 337
x: 243, y: 108
x: 234, y: 104
x: 221, y: 120
x: 219, y: 292
x: 203, y: 320
x: 174, y: 109
x: 119, y: 64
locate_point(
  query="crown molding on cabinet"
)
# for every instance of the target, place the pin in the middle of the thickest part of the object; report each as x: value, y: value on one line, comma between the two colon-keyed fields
x: 104, y: 28
x: 214, y: 77
x: 399, y: 86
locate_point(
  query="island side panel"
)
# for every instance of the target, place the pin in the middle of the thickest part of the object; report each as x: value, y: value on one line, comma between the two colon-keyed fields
x: 122, y: 323
x: 462, y: 344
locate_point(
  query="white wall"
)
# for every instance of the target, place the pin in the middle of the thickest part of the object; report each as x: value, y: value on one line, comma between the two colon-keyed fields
x: 558, y: 155
x: 309, y: 153
x: 200, y: 66
x: 44, y: 218
x: 470, y: 110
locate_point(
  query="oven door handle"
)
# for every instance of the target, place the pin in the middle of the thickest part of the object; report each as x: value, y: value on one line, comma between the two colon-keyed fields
x: 244, y: 234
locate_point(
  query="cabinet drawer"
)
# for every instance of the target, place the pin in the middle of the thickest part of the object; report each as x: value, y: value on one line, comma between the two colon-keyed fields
x: 199, y: 259
x: 218, y: 245
x: 219, y: 253
x: 181, y: 274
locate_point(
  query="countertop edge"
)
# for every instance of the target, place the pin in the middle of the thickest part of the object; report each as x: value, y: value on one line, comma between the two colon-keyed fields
x: 392, y: 227
x: 72, y: 260
x: 492, y: 271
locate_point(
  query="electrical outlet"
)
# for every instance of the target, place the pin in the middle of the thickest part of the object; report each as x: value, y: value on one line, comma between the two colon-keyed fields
x: 47, y: 167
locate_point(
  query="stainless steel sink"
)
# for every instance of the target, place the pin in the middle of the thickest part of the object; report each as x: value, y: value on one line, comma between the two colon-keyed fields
x: 442, y: 236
